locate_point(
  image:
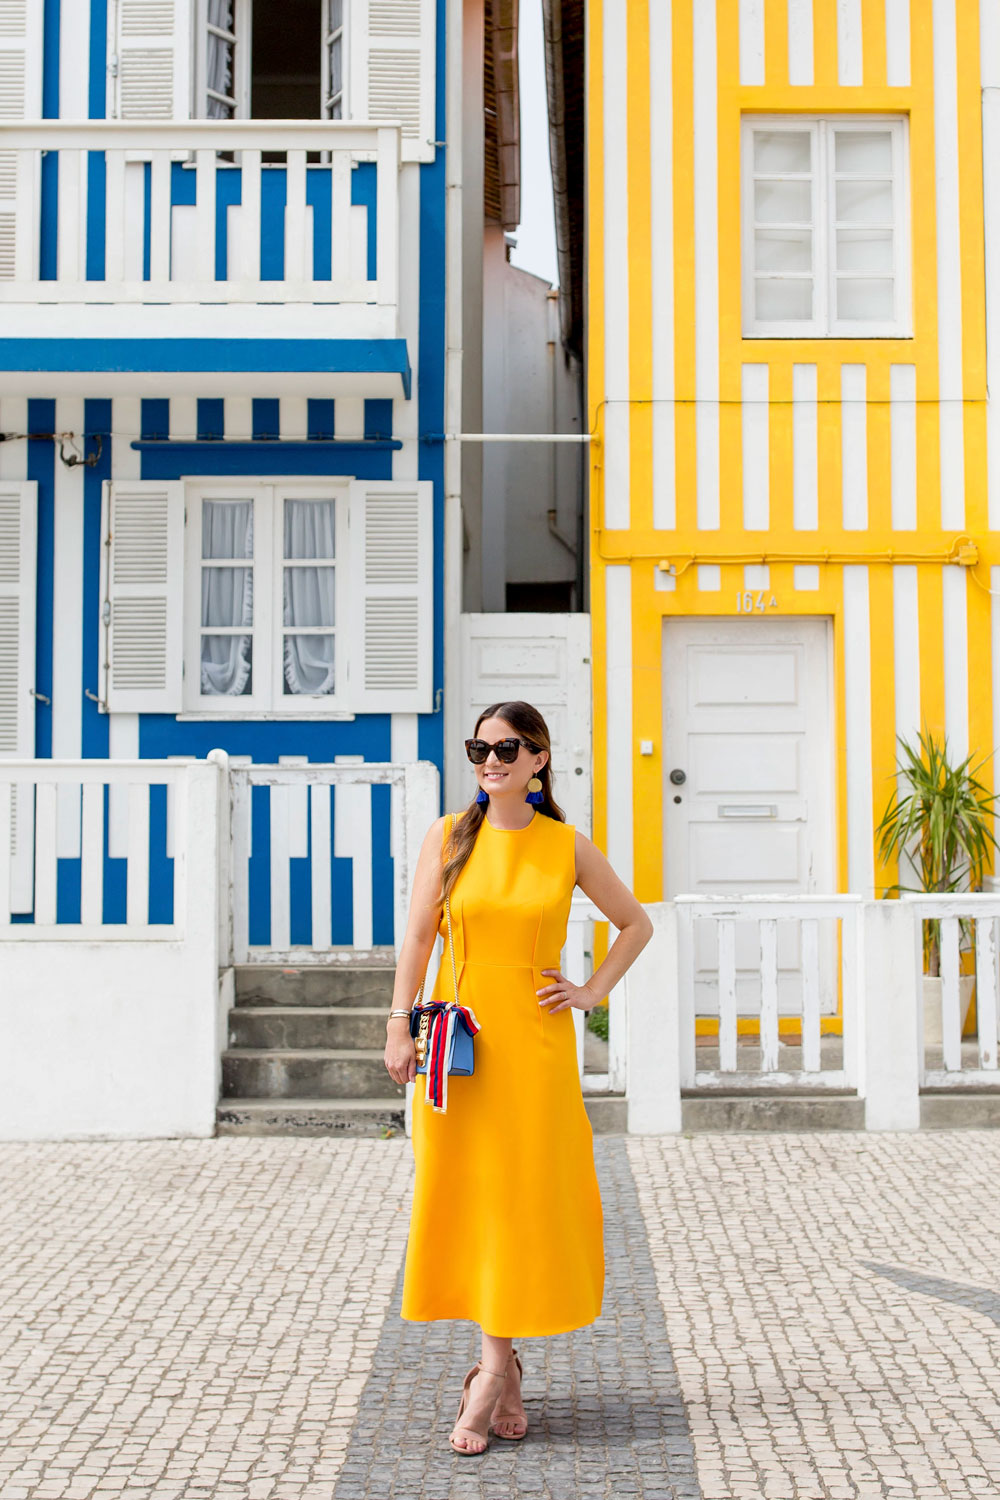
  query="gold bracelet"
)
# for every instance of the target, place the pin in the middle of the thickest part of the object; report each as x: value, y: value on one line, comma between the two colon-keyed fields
x: 398, y: 1013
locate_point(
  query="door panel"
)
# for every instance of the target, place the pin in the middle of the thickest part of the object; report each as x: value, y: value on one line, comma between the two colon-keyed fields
x: 747, y: 723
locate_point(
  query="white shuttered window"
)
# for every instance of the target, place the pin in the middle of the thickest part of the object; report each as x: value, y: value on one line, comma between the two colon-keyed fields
x: 18, y: 541
x: 142, y: 572
x: 392, y: 601
x: 391, y: 76
x: 150, y: 59
x: 20, y: 99
x: 825, y: 227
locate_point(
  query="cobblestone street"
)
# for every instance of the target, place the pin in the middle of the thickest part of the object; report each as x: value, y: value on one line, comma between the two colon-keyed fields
x: 785, y: 1316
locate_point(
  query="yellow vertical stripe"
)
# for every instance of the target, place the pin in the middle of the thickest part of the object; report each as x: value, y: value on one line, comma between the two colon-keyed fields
x: 883, y: 701
x: 879, y: 446
x: 824, y: 44
x: 873, y: 42
x: 595, y: 397
x: 775, y: 42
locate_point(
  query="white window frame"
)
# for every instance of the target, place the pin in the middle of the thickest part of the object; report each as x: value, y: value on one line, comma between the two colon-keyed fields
x: 243, y: 36
x: 267, y: 697
x: 327, y: 35
x: 824, y: 323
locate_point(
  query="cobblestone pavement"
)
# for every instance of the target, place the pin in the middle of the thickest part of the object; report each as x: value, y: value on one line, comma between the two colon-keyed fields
x: 833, y: 1307
x: 605, y: 1417
x: 810, y: 1315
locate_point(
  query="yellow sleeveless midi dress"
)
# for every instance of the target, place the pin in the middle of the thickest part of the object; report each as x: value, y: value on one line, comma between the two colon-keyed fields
x: 506, y: 1226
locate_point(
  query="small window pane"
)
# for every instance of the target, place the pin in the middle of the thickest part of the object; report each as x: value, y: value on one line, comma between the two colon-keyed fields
x: 226, y: 665
x: 309, y: 596
x: 783, y: 249
x: 783, y: 202
x: 781, y: 301
x: 227, y: 596
x: 864, y: 250
x: 864, y: 202
x: 865, y: 301
x: 863, y: 151
x: 782, y: 151
x: 308, y: 664
x: 227, y: 528
x: 309, y: 528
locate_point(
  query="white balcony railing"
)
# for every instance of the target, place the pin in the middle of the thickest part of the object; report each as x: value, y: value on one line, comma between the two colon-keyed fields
x: 189, y: 212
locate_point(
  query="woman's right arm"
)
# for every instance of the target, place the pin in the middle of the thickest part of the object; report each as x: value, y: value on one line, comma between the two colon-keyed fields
x: 418, y: 941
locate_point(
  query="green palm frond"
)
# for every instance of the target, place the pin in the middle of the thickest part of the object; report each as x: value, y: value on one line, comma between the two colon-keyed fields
x: 941, y: 816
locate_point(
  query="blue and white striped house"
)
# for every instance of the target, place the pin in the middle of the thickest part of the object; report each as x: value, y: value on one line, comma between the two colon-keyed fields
x: 222, y: 346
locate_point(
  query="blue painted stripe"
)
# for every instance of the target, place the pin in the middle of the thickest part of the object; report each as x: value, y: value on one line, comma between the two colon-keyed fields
x: 49, y: 228
x: 226, y: 356
x: 364, y: 193
x: 97, y: 190
x: 257, y: 459
x: 273, y: 197
x: 319, y: 195
x: 41, y: 468
x: 314, y: 444
x: 320, y: 421
x: 98, y: 78
x: 211, y: 419
x: 378, y: 419
x: 430, y: 355
x: 266, y: 421
x: 94, y: 733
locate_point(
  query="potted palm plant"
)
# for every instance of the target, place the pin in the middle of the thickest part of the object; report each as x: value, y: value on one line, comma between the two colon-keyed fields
x: 939, y: 820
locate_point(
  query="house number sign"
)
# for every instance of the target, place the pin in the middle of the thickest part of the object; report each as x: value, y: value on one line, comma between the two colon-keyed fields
x: 747, y: 601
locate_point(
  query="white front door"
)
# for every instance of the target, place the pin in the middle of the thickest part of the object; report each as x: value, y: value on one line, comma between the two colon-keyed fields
x: 545, y: 660
x: 748, y: 782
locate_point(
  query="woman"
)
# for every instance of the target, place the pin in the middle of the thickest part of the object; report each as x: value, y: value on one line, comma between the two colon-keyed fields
x: 506, y: 1227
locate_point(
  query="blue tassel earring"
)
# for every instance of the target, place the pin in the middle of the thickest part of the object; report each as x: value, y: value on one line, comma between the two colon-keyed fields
x: 482, y: 796
x: 535, y: 793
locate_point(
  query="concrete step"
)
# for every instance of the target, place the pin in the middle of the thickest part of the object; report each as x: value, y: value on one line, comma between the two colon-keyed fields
x: 325, y: 985
x: 965, y: 1109
x: 297, y: 1027
x: 607, y: 1113
x: 314, y: 1117
x: 307, y: 1073
x: 772, y: 1111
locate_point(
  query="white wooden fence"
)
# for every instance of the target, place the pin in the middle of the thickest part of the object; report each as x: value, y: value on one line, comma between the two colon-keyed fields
x: 969, y: 1066
x: 99, y: 814
x: 158, y: 250
x: 300, y: 824
x: 807, y: 915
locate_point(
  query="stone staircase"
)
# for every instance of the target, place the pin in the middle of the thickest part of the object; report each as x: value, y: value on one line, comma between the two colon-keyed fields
x: 304, y: 1056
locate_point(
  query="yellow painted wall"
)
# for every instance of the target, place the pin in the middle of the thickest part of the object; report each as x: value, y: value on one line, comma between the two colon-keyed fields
x: 630, y: 86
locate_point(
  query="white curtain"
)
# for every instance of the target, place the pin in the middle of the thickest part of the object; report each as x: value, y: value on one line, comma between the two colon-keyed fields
x: 226, y: 597
x: 219, y: 59
x: 309, y: 596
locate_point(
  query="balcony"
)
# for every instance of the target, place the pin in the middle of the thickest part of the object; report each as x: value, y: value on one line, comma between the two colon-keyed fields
x: 234, y: 249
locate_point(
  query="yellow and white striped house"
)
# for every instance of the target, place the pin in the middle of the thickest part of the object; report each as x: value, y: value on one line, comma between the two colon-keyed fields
x: 794, y: 318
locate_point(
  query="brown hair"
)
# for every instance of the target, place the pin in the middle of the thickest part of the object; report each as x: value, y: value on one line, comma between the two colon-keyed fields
x: 528, y: 723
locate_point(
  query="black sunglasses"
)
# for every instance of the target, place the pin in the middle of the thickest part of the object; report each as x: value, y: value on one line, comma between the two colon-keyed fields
x: 506, y: 750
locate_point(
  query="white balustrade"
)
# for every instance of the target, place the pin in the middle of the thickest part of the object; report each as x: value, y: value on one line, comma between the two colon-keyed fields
x: 162, y: 183
x: 979, y: 914
x: 345, y: 827
x: 754, y: 992
x: 81, y: 788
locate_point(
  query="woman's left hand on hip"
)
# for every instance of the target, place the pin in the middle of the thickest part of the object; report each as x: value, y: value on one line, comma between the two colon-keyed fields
x: 563, y: 992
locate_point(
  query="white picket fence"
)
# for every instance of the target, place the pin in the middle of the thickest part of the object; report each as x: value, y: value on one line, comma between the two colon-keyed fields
x: 181, y: 240
x: 808, y: 961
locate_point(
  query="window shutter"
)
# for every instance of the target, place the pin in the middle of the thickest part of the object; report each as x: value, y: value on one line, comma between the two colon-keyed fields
x: 150, y: 60
x: 391, y: 44
x: 390, y: 647
x: 144, y: 590
x: 18, y: 535
x: 20, y: 99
